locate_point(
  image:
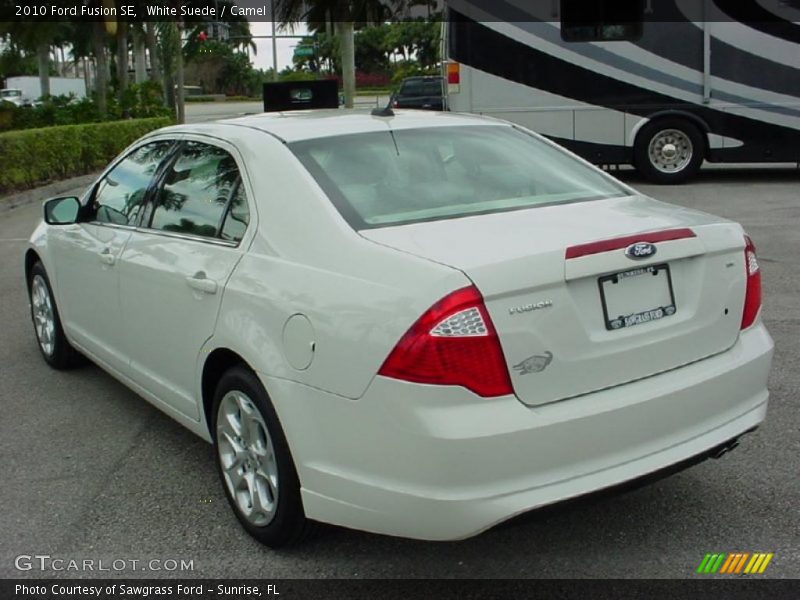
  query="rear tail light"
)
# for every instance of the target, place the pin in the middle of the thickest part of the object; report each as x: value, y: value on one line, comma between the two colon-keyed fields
x: 453, y: 73
x: 453, y: 343
x: 752, y: 297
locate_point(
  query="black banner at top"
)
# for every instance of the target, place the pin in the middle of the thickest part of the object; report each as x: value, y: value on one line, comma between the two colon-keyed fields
x: 785, y: 12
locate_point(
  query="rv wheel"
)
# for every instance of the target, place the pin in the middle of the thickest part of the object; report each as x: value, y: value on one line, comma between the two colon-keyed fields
x: 669, y: 151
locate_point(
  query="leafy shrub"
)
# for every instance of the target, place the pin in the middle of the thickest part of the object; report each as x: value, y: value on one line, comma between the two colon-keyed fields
x: 242, y: 98
x: 205, y: 98
x: 35, y: 156
x: 139, y: 101
x: 297, y: 76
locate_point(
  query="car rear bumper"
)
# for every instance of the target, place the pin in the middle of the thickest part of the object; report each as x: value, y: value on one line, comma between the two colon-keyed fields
x: 439, y: 463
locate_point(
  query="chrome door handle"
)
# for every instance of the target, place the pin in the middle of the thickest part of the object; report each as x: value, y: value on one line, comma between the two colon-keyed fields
x: 200, y: 282
x: 106, y: 257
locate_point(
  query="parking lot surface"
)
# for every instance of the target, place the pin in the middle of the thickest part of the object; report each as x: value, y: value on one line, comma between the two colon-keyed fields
x: 91, y: 471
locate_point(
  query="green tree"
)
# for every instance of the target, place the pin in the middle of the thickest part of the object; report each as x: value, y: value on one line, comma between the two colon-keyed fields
x: 218, y: 68
x: 345, y: 16
x: 372, y: 49
x: 13, y: 61
x: 36, y: 37
x: 232, y: 30
x: 99, y: 43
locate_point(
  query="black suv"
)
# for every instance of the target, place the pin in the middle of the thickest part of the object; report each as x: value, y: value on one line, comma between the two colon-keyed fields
x: 420, y: 92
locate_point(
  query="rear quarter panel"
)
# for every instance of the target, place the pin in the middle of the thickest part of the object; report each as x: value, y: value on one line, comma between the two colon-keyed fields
x: 359, y: 296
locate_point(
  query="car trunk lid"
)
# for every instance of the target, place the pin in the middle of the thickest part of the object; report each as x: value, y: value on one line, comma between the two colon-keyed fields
x: 574, y: 313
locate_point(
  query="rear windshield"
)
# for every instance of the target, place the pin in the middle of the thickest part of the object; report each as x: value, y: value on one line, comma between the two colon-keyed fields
x: 388, y: 178
x: 421, y: 87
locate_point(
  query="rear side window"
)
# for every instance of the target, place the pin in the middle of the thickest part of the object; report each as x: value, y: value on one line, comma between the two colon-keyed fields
x: 238, y: 216
x: 196, y: 192
x: 119, y: 196
x: 601, y: 20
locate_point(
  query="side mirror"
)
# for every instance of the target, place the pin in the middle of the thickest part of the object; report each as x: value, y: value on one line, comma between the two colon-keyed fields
x: 62, y: 211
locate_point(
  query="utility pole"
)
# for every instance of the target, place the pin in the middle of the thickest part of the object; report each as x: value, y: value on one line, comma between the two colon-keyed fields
x: 274, y: 44
x: 179, y: 92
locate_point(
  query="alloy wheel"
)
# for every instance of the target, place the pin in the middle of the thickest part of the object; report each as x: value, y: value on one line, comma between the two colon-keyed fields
x: 43, y: 316
x: 247, y: 458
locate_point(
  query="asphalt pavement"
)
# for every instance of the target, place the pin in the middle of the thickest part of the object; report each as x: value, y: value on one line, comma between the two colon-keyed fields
x: 91, y: 471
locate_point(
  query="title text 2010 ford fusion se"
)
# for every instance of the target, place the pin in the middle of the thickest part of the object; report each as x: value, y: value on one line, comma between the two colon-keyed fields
x: 419, y: 325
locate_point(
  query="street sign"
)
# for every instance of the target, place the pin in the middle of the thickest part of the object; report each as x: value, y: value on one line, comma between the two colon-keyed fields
x: 304, y: 51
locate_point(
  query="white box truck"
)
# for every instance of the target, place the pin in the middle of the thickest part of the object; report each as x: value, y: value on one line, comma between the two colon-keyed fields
x: 31, y: 89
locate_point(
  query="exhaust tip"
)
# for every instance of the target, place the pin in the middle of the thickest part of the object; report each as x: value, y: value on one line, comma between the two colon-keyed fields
x: 723, y: 449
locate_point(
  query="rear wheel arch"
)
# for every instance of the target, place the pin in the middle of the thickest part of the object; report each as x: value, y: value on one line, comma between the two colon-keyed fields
x: 695, y: 120
x: 219, y: 361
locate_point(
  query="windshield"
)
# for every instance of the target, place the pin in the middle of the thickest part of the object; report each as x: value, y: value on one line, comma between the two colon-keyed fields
x: 422, y: 87
x: 389, y: 178
x: 10, y: 93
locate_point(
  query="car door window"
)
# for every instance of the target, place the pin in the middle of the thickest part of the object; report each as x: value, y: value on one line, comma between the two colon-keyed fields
x: 119, y: 197
x: 196, y: 190
x: 237, y: 217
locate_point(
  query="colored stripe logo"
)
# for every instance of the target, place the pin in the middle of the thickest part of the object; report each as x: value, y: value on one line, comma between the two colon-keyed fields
x: 736, y: 563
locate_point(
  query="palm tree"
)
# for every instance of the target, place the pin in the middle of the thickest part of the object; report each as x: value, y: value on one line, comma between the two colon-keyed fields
x: 99, y: 43
x: 346, y: 14
x: 170, y: 36
x: 81, y: 46
x: 139, y: 52
x: 35, y: 37
x: 122, y: 58
x: 151, y: 41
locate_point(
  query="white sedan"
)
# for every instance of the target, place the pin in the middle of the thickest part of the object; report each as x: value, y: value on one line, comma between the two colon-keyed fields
x: 418, y: 324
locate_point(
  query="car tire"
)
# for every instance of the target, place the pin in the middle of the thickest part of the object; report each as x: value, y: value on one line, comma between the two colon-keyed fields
x: 669, y: 151
x: 50, y: 337
x: 254, y: 462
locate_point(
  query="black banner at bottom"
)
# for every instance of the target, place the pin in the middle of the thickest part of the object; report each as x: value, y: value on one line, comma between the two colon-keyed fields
x: 389, y: 589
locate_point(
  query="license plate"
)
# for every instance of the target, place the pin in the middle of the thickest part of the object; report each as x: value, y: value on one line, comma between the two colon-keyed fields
x: 637, y: 296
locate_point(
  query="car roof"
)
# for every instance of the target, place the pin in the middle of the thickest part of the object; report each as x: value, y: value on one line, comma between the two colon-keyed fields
x: 311, y: 124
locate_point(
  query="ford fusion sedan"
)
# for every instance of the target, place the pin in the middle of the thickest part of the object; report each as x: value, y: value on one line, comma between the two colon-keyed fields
x: 417, y: 324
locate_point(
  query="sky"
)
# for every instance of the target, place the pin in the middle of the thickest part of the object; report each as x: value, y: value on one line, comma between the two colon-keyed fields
x: 263, y: 57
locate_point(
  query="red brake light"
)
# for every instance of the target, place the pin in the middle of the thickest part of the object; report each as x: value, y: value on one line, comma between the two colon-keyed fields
x: 453, y: 343
x: 752, y: 298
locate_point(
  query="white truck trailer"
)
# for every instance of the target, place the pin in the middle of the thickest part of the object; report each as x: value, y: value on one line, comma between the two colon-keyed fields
x: 31, y: 89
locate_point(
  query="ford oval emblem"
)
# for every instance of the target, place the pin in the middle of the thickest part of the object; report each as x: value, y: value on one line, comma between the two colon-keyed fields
x: 640, y: 250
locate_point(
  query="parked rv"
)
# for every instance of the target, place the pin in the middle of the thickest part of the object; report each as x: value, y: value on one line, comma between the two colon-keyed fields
x: 632, y: 82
